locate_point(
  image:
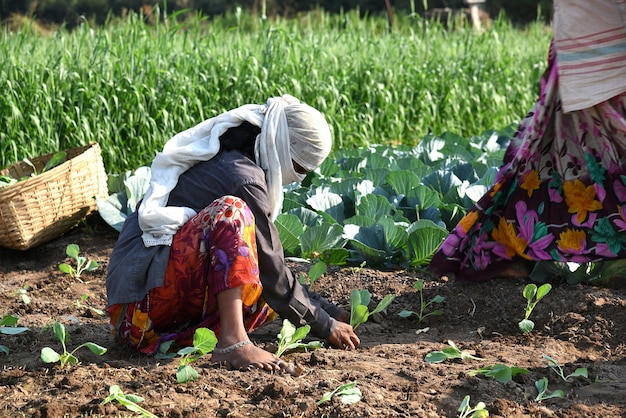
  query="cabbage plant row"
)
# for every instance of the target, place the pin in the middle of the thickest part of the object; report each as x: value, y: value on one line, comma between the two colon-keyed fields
x: 388, y: 207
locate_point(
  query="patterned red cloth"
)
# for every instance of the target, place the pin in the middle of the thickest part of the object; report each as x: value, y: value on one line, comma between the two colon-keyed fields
x: 214, y: 251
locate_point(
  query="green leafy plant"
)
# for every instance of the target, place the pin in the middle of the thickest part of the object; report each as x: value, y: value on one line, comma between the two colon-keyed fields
x: 348, y: 393
x: 82, y: 264
x: 500, y: 372
x: 130, y: 401
x: 449, y: 353
x: 290, y: 338
x: 542, y: 390
x: 204, y: 341
x: 48, y: 355
x: 56, y: 159
x: 467, y: 411
x: 533, y: 295
x: 419, y: 285
x: 556, y: 367
x: 126, y: 191
x: 23, y: 293
x: 8, y: 326
x: 78, y: 303
x: 359, y: 310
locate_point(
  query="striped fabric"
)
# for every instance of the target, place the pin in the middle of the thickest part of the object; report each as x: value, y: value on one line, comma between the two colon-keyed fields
x: 590, y: 40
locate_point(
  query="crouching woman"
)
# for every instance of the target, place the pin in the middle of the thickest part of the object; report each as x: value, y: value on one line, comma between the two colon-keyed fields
x: 202, y: 249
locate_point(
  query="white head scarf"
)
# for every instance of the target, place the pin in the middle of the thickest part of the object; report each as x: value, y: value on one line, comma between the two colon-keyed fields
x: 290, y: 130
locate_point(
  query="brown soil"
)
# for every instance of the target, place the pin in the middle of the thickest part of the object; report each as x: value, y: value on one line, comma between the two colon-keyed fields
x: 579, y: 326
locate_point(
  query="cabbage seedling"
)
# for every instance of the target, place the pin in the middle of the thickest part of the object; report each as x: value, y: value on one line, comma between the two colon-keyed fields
x: 8, y: 327
x: 348, y: 393
x: 48, y: 355
x: 500, y: 372
x: 532, y: 295
x: 129, y: 401
x: 204, y: 341
x: 291, y: 338
x: 542, y: 390
x: 23, y: 292
x: 419, y: 285
x: 478, y: 411
x: 359, y: 311
x: 82, y: 264
x: 554, y: 365
x: 449, y: 353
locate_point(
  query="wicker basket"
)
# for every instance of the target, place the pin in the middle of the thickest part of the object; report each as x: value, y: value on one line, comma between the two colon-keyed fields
x: 45, y: 206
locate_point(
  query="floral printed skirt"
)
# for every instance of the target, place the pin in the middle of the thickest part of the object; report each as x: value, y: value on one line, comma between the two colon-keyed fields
x: 214, y: 251
x: 560, y: 194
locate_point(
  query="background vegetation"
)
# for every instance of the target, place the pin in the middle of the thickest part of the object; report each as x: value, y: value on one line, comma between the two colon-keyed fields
x: 130, y: 85
x: 72, y: 11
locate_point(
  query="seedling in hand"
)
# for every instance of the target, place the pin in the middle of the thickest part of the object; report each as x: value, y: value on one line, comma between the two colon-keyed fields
x: 82, y: 264
x: 419, y: 285
x: 204, y: 341
x: 554, y: 365
x: 291, y: 338
x: 359, y: 311
x: 542, y: 389
x: 478, y: 411
x: 348, y: 394
x: 48, y: 355
x: 449, y: 353
x: 129, y: 401
x: 532, y: 295
x: 500, y: 372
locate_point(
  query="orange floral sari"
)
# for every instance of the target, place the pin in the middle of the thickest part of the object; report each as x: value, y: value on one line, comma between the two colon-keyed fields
x: 214, y: 251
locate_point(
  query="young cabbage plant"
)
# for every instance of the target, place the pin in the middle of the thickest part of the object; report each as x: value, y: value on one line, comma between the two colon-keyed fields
x: 48, y: 355
x: 82, y: 264
x: 291, y: 338
x: 204, y: 341
x: 419, y: 285
x: 127, y: 190
x: 359, y: 311
x: 499, y: 372
x: 533, y: 295
x: 556, y: 368
x: 130, y: 401
x: 348, y: 393
x: 449, y: 353
x: 542, y: 390
x: 467, y: 411
x: 23, y: 293
x: 8, y: 326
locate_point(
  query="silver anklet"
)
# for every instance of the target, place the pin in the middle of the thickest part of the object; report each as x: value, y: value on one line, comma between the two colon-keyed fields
x: 230, y: 348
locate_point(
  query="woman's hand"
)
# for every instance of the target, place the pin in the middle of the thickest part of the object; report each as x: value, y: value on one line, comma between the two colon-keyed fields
x: 343, y: 336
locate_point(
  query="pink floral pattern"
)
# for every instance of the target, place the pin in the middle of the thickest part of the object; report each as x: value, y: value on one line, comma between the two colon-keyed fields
x: 560, y: 194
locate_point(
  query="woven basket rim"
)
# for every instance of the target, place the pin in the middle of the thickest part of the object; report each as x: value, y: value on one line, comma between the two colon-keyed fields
x: 35, y: 180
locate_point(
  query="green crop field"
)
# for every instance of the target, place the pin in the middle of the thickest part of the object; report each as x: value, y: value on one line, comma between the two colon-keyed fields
x: 130, y: 85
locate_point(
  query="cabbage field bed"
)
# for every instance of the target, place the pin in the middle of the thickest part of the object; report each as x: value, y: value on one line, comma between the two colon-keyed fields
x: 368, y: 219
x: 578, y: 326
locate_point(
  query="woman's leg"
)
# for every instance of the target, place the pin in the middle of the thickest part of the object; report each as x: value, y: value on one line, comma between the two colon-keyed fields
x: 233, y: 333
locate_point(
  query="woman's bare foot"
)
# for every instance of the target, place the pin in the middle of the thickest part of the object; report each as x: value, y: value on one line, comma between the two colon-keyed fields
x: 244, y: 355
